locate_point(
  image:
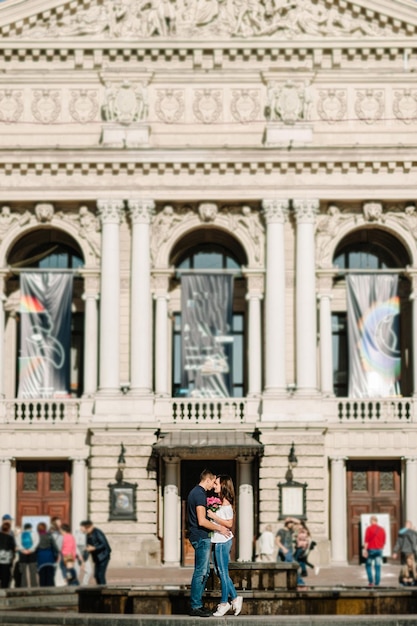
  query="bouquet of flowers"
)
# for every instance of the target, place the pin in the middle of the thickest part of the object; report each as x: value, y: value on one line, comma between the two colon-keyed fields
x: 213, y: 503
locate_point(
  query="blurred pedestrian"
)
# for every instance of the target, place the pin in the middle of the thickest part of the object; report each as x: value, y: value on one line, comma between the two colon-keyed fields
x: 265, y: 546
x: 408, y: 572
x: 406, y: 542
x: 27, y: 542
x: 7, y: 552
x: 47, y: 555
x: 373, y: 546
x: 99, y: 548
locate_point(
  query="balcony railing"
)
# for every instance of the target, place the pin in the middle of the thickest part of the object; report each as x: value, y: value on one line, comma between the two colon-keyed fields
x: 201, y: 411
x: 42, y: 411
x: 395, y: 410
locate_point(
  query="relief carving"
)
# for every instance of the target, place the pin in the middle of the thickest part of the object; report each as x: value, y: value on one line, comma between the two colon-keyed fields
x: 373, y: 211
x: 405, y: 105
x: 11, y: 105
x: 163, y: 224
x: 289, y: 102
x: 135, y: 19
x: 207, y: 106
x: 250, y: 221
x: 245, y: 105
x: 170, y: 105
x: 46, y: 105
x: 9, y: 218
x: 83, y: 105
x: 327, y: 229
x: 369, y: 105
x: 331, y: 105
x: 125, y: 103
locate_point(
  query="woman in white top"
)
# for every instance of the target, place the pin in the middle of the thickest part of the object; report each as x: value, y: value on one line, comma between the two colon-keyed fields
x: 222, y: 545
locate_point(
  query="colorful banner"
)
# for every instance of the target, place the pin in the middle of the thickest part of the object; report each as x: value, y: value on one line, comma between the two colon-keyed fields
x: 45, y: 334
x: 206, y: 339
x: 373, y: 310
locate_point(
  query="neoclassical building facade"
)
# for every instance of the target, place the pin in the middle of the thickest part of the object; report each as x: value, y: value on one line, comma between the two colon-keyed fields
x: 144, y: 146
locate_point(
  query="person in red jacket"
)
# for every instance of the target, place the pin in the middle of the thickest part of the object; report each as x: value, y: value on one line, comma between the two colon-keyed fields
x: 372, y: 550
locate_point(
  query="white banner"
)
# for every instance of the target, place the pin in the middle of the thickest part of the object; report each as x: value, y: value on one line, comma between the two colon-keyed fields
x: 373, y: 310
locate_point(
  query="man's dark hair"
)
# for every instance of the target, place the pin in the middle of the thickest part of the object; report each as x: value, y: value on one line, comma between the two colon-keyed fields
x: 87, y: 523
x: 206, y: 472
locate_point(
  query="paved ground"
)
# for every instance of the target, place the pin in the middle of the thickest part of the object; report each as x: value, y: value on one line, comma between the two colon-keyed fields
x: 348, y: 576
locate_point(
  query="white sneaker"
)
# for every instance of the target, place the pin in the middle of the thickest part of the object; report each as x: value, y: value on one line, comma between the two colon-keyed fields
x: 316, y: 570
x: 237, y: 605
x: 222, y: 609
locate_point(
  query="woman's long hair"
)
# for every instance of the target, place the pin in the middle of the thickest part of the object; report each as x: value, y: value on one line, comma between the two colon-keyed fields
x: 410, y: 564
x: 227, y: 489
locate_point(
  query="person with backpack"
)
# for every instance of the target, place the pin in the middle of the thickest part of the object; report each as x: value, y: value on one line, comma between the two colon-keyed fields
x: 46, y: 556
x: 27, y: 542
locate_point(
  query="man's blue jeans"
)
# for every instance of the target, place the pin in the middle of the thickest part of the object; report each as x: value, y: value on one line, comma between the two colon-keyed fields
x: 202, y: 549
x: 375, y: 557
x: 221, y: 564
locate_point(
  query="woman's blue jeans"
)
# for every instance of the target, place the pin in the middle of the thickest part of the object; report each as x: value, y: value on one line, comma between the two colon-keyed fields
x: 202, y: 549
x: 375, y: 557
x: 221, y: 566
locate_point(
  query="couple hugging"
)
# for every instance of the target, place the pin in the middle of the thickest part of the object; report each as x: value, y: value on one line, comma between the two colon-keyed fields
x: 212, y: 528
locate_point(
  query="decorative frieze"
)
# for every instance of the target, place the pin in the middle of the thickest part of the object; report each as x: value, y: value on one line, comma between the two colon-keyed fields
x: 245, y: 105
x: 11, y: 105
x: 135, y: 20
x: 83, y: 105
x: 170, y: 105
x: 332, y: 105
x: 46, y: 105
x: 369, y: 105
x: 404, y: 105
x: 208, y: 105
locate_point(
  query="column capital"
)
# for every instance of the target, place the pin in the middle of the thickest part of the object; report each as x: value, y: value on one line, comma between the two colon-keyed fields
x: 110, y: 211
x: 275, y: 210
x: 305, y: 210
x: 141, y: 210
x: 171, y: 460
x: 410, y: 459
x: 338, y: 460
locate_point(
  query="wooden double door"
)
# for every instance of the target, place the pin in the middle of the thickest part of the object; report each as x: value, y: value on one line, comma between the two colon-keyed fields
x: 372, y: 487
x: 44, y: 488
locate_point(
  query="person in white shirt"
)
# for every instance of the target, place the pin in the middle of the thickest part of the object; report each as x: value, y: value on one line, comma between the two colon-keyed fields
x: 223, y: 516
x: 265, y: 545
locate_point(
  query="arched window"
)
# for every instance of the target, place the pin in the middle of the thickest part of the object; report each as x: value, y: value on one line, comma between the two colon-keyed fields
x: 52, y: 249
x: 225, y: 350
x: 369, y: 251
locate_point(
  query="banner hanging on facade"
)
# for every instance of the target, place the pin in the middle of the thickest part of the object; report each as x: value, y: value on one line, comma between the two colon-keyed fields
x: 45, y: 334
x: 207, y: 341
x: 373, y: 309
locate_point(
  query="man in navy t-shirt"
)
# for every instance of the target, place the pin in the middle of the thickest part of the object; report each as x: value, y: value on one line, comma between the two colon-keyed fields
x: 199, y: 528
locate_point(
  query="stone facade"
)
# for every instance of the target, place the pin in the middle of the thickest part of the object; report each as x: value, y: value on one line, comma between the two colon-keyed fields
x: 136, y: 133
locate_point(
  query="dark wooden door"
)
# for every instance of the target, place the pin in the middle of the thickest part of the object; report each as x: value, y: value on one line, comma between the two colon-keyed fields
x: 372, y: 487
x: 44, y: 488
x: 190, y: 472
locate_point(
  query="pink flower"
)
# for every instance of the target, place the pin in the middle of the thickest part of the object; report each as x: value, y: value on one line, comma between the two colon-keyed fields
x: 213, y: 503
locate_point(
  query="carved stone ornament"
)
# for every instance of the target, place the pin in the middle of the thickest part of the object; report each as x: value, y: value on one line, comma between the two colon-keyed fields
x: 170, y: 105
x: 125, y: 103
x: 245, y: 105
x: 288, y: 102
x: 163, y: 225
x: 83, y: 105
x: 207, y: 211
x: 46, y: 105
x: 369, y: 105
x: 9, y: 218
x: 44, y: 212
x: 11, y: 105
x: 331, y: 105
x: 138, y: 20
x: 327, y: 229
x: 207, y: 106
x: 405, y: 105
x: 248, y: 220
x: 373, y: 211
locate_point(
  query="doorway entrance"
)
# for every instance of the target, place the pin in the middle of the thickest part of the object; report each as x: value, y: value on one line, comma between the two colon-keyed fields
x: 190, y: 472
x: 372, y: 487
x: 43, y: 488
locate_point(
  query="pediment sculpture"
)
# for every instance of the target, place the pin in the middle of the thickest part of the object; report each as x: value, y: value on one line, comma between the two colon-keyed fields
x: 143, y: 19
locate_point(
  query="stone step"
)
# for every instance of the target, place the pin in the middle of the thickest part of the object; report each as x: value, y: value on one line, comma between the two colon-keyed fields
x: 68, y: 619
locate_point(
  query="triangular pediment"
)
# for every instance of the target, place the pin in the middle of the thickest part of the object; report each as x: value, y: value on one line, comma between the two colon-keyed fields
x: 179, y: 20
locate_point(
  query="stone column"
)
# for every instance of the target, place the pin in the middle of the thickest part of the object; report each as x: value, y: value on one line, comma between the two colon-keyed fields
x: 246, y: 509
x: 306, y: 312
x: 90, y: 298
x: 254, y: 296
x: 5, y: 482
x: 162, y: 386
x: 78, y: 492
x: 338, y: 511
x: 109, y: 373
x: 275, y: 213
x: 326, y: 354
x: 141, y: 211
x: 171, y: 512
x: 2, y: 329
x: 411, y: 489
x: 413, y: 355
